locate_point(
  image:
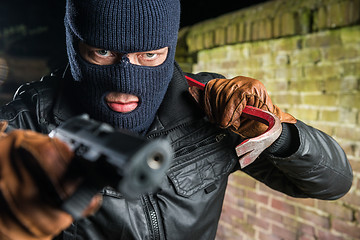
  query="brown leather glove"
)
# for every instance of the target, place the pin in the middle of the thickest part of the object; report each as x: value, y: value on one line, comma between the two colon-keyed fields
x: 224, y: 100
x: 32, y: 172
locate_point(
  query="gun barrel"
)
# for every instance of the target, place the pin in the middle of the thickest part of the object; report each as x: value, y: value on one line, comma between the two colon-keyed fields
x: 131, y: 164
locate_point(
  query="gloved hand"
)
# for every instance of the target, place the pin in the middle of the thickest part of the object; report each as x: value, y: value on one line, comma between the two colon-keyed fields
x: 224, y: 100
x: 32, y: 179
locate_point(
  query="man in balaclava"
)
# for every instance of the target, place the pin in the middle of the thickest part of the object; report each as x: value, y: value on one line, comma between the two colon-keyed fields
x: 106, y: 43
x: 122, y: 27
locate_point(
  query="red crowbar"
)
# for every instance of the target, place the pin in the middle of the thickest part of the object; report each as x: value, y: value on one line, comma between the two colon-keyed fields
x: 251, y: 148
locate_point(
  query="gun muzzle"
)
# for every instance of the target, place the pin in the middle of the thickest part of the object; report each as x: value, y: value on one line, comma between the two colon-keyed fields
x: 109, y: 157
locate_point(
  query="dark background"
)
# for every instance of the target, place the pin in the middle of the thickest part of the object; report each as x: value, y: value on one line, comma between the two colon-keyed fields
x: 32, y: 38
x: 43, y: 20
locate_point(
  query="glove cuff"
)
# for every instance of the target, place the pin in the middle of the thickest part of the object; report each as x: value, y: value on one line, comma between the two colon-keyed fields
x: 287, y: 143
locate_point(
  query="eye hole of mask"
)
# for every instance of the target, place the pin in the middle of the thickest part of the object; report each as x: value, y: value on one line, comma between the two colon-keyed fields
x: 100, y: 56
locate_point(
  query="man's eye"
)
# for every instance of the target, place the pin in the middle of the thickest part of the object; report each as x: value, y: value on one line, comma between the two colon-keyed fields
x: 150, y: 55
x: 103, y: 53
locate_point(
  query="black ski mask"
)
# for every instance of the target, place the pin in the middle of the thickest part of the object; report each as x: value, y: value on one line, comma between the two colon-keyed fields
x: 124, y: 26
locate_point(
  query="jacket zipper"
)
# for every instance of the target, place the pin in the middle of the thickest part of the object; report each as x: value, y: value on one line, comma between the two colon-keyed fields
x: 154, y: 135
x: 152, y: 217
x: 209, y: 140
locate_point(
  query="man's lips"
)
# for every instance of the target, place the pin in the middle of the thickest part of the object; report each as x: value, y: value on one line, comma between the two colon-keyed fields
x: 122, y: 107
x: 122, y: 102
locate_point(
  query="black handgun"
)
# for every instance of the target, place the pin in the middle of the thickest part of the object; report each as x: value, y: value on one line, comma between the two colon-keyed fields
x: 110, y: 157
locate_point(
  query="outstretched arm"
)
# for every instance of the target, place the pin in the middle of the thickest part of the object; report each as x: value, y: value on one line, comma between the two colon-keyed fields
x: 32, y: 182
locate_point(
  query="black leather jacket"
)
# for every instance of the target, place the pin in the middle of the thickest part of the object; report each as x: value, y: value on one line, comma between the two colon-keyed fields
x: 189, y: 201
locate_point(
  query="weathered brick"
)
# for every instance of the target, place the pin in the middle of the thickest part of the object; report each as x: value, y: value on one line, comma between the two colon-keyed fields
x: 217, y: 54
x: 320, y: 20
x: 337, y: 210
x: 228, y: 232
x: 277, y: 26
x: 252, y: 63
x: 352, y: 198
x: 268, y: 236
x: 283, y: 233
x: 258, y: 197
x: 320, y: 221
x: 306, y: 56
x: 322, y: 71
x: 248, y: 30
x: 270, y: 214
x: 199, y: 42
x: 220, y: 36
x: 259, y: 48
x: 351, y: 68
x: 266, y: 28
x: 352, y: 52
x: 259, y: 222
x: 265, y: 75
x: 320, y: 99
x: 230, y: 64
x: 348, y: 133
x: 350, y: 34
x: 313, y: 85
x: 209, y: 39
x: 355, y: 165
x: 248, y: 205
x: 330, y: 115
x: 288, y: 73
x: 310, y: 202
x: 231, y: 33
x: 244, y: 180
x: 241, y: 36
x: 334, y: 53
x: 288, y: 24
x: 348, y: 116
x: 349, y: 83
x: 347, y: 228
x: 305, y: 114
x: 225, y: 231
x: 332, y: 85
x: 277, y: 86
x: 305, y: 21
x: 316, y: 78
x: 323, y: 39
x: 245, y: 228
x: 255, y: 30
x: 306, y: 230
x: 286, y: 98
x: 351, y: 100
x: 349, y: 148
x: 306, y: 237
x: 327, y: 235
x: 283, y: 206
x: 353, y: 11
x: 235, y: 191
x: 282, y: 58
x: 285, y: 44
x: 337, y: 13
x: 234, y: 212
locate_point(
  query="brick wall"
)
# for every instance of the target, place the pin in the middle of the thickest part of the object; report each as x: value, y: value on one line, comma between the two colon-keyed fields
x: 307, y: 53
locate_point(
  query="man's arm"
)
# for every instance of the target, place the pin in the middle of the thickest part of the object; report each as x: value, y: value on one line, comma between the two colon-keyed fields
x: 33, y: 179
x: 317, y: 167
x: 302, y: 162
